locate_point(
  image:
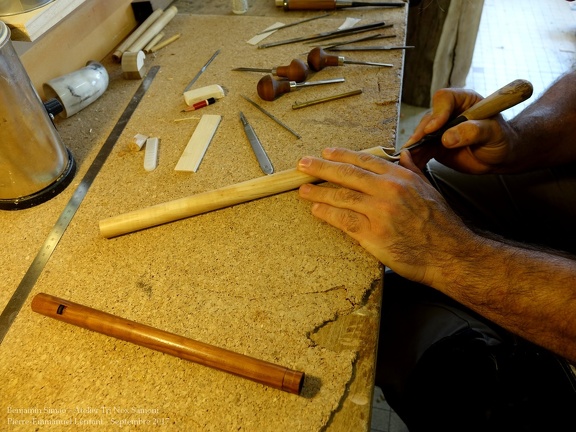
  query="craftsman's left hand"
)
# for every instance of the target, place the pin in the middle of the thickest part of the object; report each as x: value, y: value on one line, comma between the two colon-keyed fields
x: 391, y: 210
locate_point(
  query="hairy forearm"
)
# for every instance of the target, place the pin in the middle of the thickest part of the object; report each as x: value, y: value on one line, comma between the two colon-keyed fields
x: 544, y: 134
x: 529, y: 292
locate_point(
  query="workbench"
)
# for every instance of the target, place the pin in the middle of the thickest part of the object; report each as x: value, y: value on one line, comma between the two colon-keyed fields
x: 264, y: 278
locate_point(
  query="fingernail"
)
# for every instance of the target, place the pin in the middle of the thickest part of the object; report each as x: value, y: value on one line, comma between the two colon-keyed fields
x: 328, y: 151
x: 451, y: 138
x: 305, y: 162
x: 431, y: 126
x: 305, y: 188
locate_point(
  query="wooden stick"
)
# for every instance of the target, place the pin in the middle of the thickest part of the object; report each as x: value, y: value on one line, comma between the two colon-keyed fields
x: 153, y: 42
x: 207, y: 355
x: 162, y: 44
x: 156, y: 27
x: 117, y: 55
x: 208, y: 201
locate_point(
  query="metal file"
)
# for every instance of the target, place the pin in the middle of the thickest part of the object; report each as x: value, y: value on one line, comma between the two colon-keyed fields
x: 259, y: 151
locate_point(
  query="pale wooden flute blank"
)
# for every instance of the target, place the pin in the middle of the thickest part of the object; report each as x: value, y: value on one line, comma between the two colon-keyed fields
x: 208, y: 201
x: 260, y: 371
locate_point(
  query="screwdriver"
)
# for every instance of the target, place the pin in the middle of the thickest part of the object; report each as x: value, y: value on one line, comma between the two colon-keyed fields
x: 297, y: 70
x: 330, y: 4
x: 318, y: 59
x: 269, y: 89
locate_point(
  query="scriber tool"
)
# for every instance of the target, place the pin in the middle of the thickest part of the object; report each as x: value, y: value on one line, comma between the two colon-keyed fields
x: 297, y: 70
x: 293, y: 24
x: 362, y: 39
x: 281, y: 123
x: 318, y: 59
x: 328, y: 34
x: 331, y: 4
x: 370, y: 48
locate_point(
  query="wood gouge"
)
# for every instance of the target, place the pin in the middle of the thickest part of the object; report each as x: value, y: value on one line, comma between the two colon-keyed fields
x: 508, y: 96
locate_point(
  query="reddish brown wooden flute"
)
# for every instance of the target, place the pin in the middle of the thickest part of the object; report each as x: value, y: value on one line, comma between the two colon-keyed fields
x: 208, y: 355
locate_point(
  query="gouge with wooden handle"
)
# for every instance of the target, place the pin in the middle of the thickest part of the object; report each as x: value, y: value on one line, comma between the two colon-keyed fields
x: 508, y: 96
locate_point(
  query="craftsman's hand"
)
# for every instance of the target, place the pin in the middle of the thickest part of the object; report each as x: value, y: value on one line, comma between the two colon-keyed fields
x: 390, y: 209
x: 474, y: 147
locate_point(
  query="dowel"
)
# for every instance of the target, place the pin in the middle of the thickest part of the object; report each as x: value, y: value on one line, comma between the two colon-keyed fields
x: 251, y: 368
x: 154, y: 29
x: 153, y: 42
x: 117, y: 55
x: 227, y: 196
x: 164, y: 43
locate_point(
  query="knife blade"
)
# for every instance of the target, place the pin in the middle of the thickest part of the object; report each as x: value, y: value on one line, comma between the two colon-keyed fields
x: 259, y: 151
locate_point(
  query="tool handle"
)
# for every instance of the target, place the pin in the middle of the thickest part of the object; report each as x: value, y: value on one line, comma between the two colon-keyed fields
x: 296, y: 71
x: 269, y: 89
x: 205, y: 202
x: 130, y: 331
x: 508, y: 96
x: 318, y: 59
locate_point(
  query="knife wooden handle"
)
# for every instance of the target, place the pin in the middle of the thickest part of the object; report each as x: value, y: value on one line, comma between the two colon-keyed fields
x: 227, y: 196
x: 508, y: 96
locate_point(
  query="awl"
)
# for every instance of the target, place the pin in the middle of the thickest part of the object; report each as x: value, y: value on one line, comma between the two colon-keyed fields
x: 331, y: 4
x: 259, y: 151
x: 508, y: 96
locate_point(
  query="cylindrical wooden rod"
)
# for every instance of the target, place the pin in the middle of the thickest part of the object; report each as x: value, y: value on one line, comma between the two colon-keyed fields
x: 117, y: 55
x: 208, y: 355
x: 156, y: 27
x: 209, y: 201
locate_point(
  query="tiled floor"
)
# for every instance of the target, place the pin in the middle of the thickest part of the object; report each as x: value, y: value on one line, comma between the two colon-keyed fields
x: 529, y: 39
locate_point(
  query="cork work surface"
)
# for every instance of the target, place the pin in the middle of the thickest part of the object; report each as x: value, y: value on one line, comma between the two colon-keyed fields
x: 259, y: 278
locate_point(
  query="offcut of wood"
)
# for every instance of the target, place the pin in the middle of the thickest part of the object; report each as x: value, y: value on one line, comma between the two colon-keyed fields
x: 198, y: 144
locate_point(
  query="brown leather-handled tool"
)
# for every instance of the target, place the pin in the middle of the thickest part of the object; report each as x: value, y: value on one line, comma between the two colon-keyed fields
x: 296, y: 71
x: 269, y: 89
x: 260, y: 371
x: 318, y: 59
x: 508, y: 96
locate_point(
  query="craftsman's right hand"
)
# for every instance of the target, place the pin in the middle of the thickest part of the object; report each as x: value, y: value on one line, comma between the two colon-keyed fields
x: 472, y: 147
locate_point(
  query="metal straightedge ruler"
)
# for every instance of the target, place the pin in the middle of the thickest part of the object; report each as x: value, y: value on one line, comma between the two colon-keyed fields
x: 27, y: 283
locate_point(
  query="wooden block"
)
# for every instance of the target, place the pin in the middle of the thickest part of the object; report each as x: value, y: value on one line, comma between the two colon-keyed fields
x: 31, y: 25
x: 198, y: 144
x: 133, y: 65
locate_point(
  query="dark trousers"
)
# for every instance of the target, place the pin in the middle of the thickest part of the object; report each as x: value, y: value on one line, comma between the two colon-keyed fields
x: 443, y: 367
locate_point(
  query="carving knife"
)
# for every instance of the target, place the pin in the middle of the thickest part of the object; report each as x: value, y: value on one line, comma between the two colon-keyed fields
x: 508, y: 96
x: 259, y: 151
